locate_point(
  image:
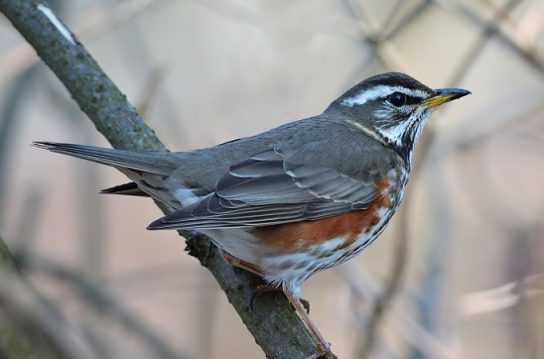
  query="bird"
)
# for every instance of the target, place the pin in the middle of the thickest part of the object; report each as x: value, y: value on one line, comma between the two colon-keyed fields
x: 297, y: 199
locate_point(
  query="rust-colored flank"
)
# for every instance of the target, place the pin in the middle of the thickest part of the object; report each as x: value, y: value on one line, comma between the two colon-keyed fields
x: 295, y: 236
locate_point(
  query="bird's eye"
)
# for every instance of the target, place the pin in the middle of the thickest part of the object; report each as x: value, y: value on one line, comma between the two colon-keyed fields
x: 397, y: 99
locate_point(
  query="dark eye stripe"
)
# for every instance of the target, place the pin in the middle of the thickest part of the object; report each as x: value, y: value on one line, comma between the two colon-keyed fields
x: 412, y: 100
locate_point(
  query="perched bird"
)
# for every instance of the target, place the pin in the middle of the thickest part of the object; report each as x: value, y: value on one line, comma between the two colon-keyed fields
x: 296, y: 199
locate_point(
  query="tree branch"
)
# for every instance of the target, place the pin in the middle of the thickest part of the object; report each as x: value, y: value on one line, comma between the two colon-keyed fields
x: 273, y: 323
x: 6, y: 258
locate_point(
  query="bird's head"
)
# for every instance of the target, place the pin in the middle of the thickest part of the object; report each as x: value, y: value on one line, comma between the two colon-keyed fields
x: 392, y: 107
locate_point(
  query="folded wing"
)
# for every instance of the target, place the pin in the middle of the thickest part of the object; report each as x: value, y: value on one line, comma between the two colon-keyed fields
x: 283, y: 185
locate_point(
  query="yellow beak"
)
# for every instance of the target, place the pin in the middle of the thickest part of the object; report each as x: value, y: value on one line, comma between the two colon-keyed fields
x: 442, y: 96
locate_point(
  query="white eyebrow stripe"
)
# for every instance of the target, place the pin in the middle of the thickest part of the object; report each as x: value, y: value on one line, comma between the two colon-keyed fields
x: 380, y: 91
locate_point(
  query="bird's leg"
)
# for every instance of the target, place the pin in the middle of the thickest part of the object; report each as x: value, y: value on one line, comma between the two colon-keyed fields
x: 262, y: 289
x: 235, y: 262
x: 302, y: 306
x: 323, y: 347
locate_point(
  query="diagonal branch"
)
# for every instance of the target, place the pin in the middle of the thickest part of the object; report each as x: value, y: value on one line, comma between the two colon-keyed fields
x: 273, y: 323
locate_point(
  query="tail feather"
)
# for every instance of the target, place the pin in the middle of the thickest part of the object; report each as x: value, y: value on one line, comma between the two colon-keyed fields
x: 127, y: 189
x: 150, y: 162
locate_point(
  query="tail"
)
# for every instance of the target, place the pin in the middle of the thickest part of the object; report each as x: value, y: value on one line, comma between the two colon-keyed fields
x: 160, y: 163
x: 126, y: 189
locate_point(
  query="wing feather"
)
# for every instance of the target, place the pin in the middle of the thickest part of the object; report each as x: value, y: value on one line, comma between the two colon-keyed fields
x: 281, y: 186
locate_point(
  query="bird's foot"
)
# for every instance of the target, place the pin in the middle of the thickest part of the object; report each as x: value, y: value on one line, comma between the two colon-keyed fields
x: 323, y: 348
x: 323, y: 352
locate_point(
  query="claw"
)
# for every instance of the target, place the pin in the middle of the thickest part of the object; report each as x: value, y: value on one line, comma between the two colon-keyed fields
x: 323, y: 350
x: 323, y: 353
x: 302, y: 306
x: 305, y: 304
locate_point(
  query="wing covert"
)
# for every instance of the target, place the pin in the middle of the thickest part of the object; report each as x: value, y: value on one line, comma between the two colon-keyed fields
x: 281, y: 186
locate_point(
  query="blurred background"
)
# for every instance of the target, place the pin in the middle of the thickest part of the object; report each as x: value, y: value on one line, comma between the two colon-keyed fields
x: 459, y: 272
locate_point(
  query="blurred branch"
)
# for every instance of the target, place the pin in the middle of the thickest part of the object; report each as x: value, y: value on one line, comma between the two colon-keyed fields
x: 409, y: 18
x: 437, y: 250
x: 32, y: 318
x: 488, y: 31
x: 370, y: 34
x: 6, y: 258
x: 22, y: 332
x: 8, y: 121
x: 274, y: 325
x: 383, y: 48
x: 433, y: 282
x: 91, y: 24
x: 493, y: 27
x: 392, y: 286
x: 32, y: 313
x: 101, y: 301
x: 364, y: 287
x: 429, y: 287
x: 28, y: 222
